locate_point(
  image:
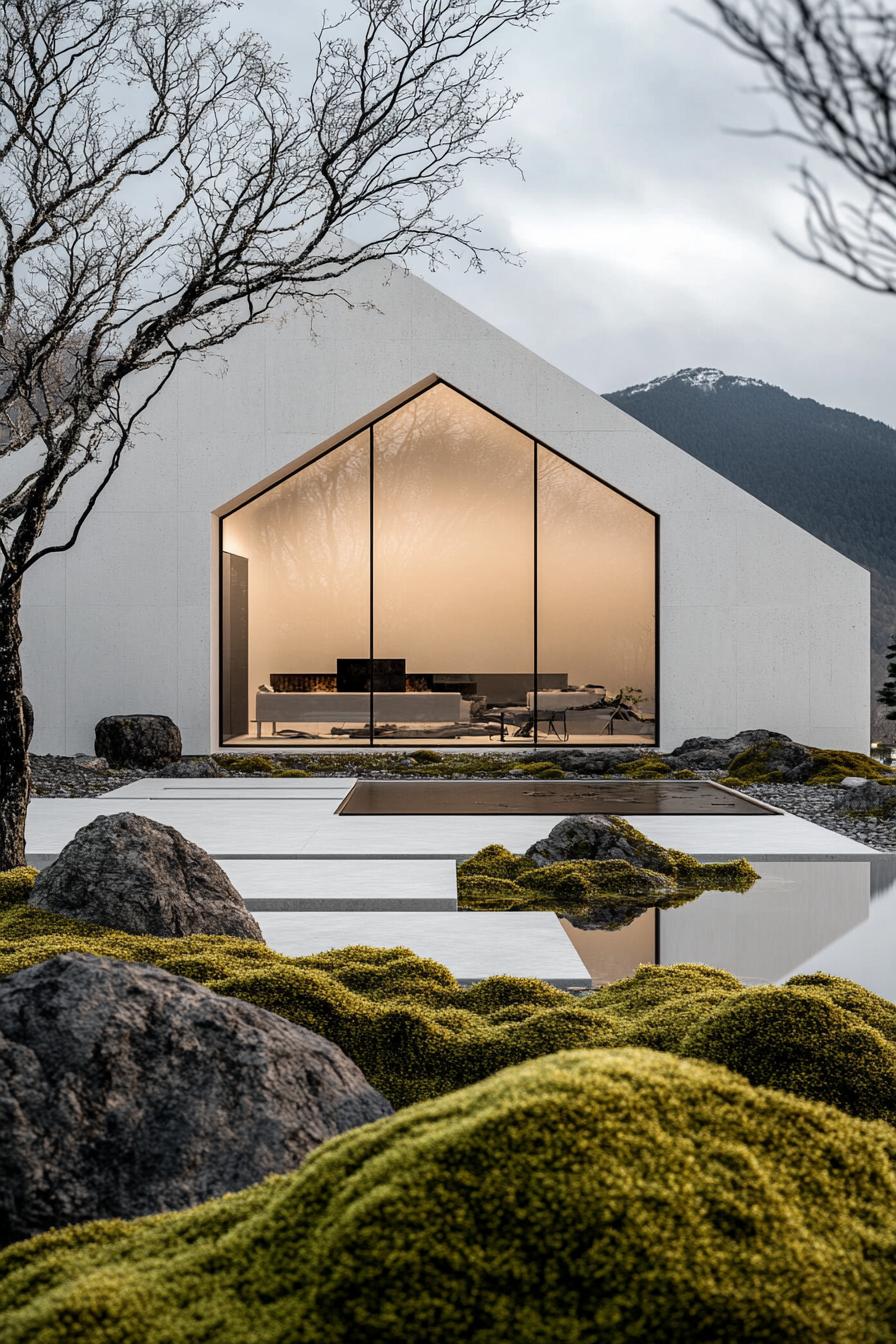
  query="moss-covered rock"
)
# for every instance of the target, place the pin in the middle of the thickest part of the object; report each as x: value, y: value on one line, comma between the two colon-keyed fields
x: 651, y: 766
x: 830, y: 767
x: 539, y: 770
x: 16, y: 885
x: 595, y: 893
x: 594, y: 1197
x: 787, y: 762
x: 416, y: 1033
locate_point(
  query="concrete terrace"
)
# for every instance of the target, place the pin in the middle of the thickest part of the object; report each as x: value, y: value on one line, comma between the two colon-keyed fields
x: 316, y: 879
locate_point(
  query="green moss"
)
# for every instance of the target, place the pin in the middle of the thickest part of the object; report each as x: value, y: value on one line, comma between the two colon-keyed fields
x: 828, y: 767
x: 649, y: 765
x: 246, y: 765
x: 496, y: 861
x: 607, y: 892
x: 15, y: 886
x: 423, y: 762
x: 291, y: 774
x: 539, y: 770
x: 842, y: 1057
x: 593, y: 1197
x: 416, y: 1033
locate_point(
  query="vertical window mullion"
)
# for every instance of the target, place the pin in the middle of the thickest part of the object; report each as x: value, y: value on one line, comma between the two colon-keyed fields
x: 370, y: 471
x: 535, y: 592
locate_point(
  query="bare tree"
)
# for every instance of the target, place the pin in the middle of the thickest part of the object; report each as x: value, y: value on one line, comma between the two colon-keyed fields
x: 833, y: 63
x: 108, y: 104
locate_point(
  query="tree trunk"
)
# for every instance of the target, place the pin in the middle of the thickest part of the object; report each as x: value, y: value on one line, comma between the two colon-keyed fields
x: 15, y: 768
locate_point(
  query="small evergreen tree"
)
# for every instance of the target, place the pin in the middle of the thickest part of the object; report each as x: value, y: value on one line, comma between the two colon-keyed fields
x: 887, y: 693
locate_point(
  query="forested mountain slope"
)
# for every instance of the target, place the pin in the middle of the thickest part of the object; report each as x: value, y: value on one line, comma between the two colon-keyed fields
x: 831, y: 471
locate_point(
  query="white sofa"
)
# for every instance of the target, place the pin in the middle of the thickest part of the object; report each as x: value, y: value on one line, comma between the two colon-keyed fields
x: 354, y: 707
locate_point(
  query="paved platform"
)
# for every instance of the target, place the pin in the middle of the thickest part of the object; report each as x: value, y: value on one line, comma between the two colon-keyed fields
x: 344, y: 884
x: 256, y: 823
x: 317, y: 880
x: 472, y: 946
x: 261, y: 787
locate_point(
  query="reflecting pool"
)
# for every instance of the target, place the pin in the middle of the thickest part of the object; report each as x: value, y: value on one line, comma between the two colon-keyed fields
x: 802, y: 916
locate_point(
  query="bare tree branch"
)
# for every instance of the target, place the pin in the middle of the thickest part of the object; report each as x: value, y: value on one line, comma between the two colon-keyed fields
x: 833, y: 64
x: 106, y: 105
x: 255, y: 194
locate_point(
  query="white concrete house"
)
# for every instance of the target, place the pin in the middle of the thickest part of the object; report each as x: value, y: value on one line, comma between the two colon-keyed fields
x: 403, y: 526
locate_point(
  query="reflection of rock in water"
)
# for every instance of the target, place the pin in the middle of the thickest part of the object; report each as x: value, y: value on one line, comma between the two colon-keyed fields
x: 610, y: 911
x: 615, y: 914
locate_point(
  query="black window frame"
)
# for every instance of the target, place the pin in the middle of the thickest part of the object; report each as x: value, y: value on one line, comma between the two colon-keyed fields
x: 512, y: 744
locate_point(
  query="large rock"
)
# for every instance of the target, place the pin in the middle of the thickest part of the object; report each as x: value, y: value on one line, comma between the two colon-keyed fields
x: 717, y: 753
x: 584, y: 837
x: 783, y: 762
x: 134, y: 874
x: 125, y: 1091
x: 140, y: 741
x: 192, y: 767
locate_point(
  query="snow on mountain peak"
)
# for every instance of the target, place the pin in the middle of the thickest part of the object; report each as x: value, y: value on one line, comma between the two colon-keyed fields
x: 705, y: 379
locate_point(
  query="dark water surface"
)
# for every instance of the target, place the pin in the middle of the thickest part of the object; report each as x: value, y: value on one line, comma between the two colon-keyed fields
x: 562, y: 797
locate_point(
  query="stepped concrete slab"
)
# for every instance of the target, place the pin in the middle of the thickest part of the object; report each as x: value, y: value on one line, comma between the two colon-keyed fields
x: 472, y: 946
x: 262, y: 787
x: 254, y: 825
x: 344, y: 884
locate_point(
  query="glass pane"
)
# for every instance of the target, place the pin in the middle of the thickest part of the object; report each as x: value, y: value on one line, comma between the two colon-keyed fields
x: 452, y: 573
x: 305, y: 546
x: 596, y: 609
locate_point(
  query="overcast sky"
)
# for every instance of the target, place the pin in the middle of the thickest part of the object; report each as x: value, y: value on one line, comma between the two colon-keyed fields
x: 648, y: 230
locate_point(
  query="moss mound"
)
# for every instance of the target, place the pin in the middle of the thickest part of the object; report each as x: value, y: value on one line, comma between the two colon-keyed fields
x: 801, y: 1039
x: 15, y: 886
x: 417, y: 1034
x: 593, y: 1197
x: 756, y: 765
x: 261, y: 765
x: 651, y: 766
x: 426, y: 763
x: 603, y: 893
x: 539, y: 770
x: 829, y: 767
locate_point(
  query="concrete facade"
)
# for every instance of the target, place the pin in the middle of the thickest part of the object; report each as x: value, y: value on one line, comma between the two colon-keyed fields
x: 760, y: 624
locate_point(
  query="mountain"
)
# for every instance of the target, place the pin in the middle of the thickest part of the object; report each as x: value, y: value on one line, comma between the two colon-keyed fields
x: 830, y: 471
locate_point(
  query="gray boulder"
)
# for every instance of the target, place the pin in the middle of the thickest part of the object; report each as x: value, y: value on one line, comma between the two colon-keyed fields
x: 870, y: 796
x: 137, y: 741
x: 137, y: 875
x: 607, y: 762
x: 126, y: 1091
x: 192, y: 767
x: 717, y: 753
x: 584, y: 837
x: 785, y: 762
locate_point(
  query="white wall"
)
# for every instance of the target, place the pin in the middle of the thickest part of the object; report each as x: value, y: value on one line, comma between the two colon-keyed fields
x: 760, y: 624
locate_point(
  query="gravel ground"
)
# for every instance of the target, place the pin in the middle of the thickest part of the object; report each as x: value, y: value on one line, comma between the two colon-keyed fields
x: 76, y: 776
x: 827, y: 807
x: 89, y: 777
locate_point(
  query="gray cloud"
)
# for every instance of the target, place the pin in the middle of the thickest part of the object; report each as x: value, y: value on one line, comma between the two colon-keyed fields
x: 648, y: 231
